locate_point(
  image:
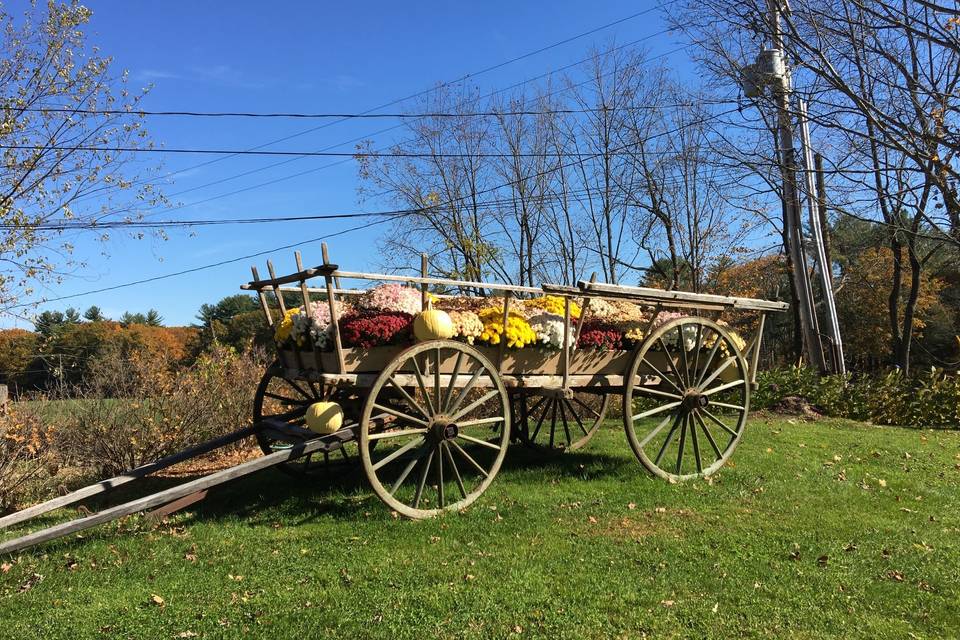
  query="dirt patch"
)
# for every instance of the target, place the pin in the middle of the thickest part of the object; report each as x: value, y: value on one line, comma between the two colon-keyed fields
x: 797, y: 406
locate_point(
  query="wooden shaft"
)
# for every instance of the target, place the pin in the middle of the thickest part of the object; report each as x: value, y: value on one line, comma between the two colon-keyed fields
x: 162, y: 497
x: 755, y: 354
x: 565, y: 348
x: 308, y: 311
x: 493, y: 286
x: 264, y: 305
x: 334, y: 318
x: 134, y: 474
x: 694, y: 300
x: 423, y: 286
x: 276, y: 288
x: 325, y: 253
x: 503, y: 337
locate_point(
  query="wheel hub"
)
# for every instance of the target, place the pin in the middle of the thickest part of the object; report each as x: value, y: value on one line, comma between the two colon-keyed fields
x: 441, y: 429
x: 693, y: 399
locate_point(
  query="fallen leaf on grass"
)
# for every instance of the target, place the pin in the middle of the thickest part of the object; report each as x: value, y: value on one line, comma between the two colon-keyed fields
x: 30, y: 583
x: 667, y: 603
x: 823, y: 560
x: 896, y: 576
x: 187, y: 634
x: 632, y: 506
x: 715, y: 607
x: 5, y: 567
x: 882, y: 482
x: 157, y: 600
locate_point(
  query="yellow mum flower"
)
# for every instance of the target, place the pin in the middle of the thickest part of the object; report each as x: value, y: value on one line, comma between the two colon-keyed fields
x: 283, y: 330
x: 552, y: 304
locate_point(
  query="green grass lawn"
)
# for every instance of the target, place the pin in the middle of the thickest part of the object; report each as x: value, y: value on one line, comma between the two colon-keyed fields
x: 824, y: 529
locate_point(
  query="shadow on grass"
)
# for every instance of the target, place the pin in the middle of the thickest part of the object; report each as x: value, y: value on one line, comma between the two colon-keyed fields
x: 339, y: 491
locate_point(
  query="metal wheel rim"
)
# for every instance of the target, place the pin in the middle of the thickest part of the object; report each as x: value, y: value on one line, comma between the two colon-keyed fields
x: 569, y: 420
x: 694, y: 424
x: 424, y: 452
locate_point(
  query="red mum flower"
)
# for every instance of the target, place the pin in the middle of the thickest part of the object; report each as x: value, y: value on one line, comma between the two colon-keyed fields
x: 375, y: 328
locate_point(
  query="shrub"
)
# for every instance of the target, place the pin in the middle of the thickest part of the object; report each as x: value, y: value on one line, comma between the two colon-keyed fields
x: 135, y: 409
x: 25, y: 459
x: 929, y: 399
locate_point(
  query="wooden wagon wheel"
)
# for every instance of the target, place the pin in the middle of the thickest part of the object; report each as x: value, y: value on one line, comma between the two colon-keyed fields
x: 688, y: 424
x: 557, y: 422
x: 287, y: 400
x: 449, y: 432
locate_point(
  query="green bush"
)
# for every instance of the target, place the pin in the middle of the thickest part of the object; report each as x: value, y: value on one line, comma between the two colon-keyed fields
x: 930, y: 399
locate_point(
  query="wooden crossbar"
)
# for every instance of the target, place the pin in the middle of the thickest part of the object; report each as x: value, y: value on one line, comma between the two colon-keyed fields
x: 680, y: 297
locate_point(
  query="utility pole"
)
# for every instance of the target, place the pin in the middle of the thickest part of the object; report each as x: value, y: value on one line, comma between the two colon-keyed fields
x: 776, y: 69
x: 814, y: 198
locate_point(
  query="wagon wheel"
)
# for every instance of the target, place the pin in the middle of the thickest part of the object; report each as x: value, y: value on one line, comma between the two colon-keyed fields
x: 558, y: 422
x: 440, y: 438
x: 287, y: 400
x: 689, y: 423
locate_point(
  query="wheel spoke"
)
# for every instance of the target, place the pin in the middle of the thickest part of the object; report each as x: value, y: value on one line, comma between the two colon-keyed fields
x: 566, y: 427
x: 399, y: 414
x: 727, y: 406
x: 409, y: 398
x: 719, y: 424
x: 441, y: 497
x: 583, y: 404
x: 553, y: 421
x: 696, y: 349
x: 710, y: 356
x: 683, y: 439
x: 453, y: 381
x: 466, y: 390
x: 396, y: 454
x: 724, y: 387
x: 706, y: 432
x: 468, y: 458
x: 299, y: 389
x: 695, y: 442
x: 683, y: 356
x: 480, y: 421
x: 713, y: 376
x: 420, y: 382
x: 577, y: 418
x: 650, y: 436
x: 656, y: 392
x: 395, y: 434
x: 673, y: 365
x: 473, y: 405
x: 660, y: 409
x: 423, y: 479
x: 408, y: 469
x: 456, y: 472
x: 482, y: 443
x: 436, y: 380
x: 286, y: 399
x: 666, y: 443
x: 543, y: 415
x: 662, y: 375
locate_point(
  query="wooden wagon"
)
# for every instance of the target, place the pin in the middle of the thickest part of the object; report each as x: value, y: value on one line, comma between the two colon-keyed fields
x: 430, y: 422
x: 433, y: 420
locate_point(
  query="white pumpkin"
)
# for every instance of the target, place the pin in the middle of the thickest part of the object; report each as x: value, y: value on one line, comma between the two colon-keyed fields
x: 433, y: 324
x: 324, y: 417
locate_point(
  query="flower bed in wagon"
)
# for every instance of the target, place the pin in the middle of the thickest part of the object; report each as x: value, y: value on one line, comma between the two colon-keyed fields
x: 377, y: 324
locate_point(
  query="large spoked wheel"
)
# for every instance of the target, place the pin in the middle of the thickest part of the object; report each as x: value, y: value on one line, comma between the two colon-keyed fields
x: 287, y: 400
x: 689, y: 423
x: 439, y: 416
x: 557, y: 421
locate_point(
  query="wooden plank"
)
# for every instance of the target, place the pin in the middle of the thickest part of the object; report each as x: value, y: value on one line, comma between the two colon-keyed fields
x: 134, y: 474
x: 4, y: 398
x: 177, y: 505
x: 689, y: 299
x: 274, y: 281
x: 264, y: 305
x: 562, y: 290
x: 493, y: 286
x: 334, y: 317
x: 162, y: 497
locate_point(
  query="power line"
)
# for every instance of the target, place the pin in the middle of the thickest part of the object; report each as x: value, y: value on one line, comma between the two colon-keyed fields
x: 343, y: 116
x: 200, y: 268
x: 426, y: 91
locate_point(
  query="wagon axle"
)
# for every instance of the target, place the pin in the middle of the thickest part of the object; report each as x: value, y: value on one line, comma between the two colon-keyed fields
x: 441, y: 429
x: 693, y: 399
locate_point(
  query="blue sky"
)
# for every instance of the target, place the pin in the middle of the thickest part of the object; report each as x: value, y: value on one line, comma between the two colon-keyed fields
x: 299, y: 57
